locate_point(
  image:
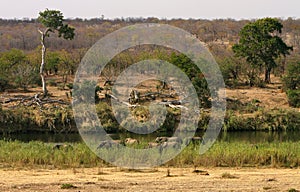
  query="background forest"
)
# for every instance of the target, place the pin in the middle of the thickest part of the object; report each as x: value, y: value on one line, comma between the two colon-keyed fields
x: 20, y: 43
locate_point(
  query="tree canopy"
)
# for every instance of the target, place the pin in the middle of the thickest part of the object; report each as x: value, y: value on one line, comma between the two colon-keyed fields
x: 260, y: 44
x: 53, y: 20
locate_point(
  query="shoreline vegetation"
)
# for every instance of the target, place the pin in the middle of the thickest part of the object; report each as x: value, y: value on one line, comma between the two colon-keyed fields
x: 60, y: 119
x: 221, y: 154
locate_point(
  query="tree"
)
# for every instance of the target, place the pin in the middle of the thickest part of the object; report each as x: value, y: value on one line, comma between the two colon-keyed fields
x: 52, y: 61
x: 291, y: 82
x: 260, y: 44
x: 195, y: 75
x: 9, y: 61
x: 11, y: 58
x: 25, y: 75
x: 53, y: 21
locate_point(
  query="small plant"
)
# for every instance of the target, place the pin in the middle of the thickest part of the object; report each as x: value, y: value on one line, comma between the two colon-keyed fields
x: 52, y: 83
x: 271, y: 179
x: 168, y: 173
x: 294, y: 97
x: 68, y: 186
x: 74, y: 171
x: 293, y: 190
x: 267, y: 188
x: 100, y: 171
x: 228, y: 176
x: 70, y: 85
x: 201, y: 172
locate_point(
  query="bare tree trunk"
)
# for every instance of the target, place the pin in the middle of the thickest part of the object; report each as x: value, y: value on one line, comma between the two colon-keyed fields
x: 45, y: 91
x: 268, y: 75
x: 65, y: 79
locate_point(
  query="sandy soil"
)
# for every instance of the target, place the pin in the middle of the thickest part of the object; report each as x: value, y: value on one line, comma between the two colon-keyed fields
x: 116, y: 179
x: 269, y: 98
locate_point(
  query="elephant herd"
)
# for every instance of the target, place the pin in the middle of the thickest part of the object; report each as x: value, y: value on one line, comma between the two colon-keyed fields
x: 160, y: 142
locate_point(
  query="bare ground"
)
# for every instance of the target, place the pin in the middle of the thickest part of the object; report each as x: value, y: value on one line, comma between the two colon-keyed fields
x: 270, y: 97
x: 180, y: 179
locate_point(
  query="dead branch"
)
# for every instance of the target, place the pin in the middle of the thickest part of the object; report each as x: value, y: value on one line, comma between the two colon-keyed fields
x: 33, y: 100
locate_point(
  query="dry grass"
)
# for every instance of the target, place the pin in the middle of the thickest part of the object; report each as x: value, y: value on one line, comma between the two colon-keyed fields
x: 227, y: 175
x: 87, y: 179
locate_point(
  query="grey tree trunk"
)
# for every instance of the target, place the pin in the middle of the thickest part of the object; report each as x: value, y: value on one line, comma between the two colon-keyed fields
x: 44, y: 87
x: 268, y: 75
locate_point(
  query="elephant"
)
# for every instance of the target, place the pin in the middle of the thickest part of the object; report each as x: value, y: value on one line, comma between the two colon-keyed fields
x: 108, y: 144
x: 131, y: 141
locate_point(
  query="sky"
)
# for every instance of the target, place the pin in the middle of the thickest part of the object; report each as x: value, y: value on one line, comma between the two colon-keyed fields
x: 209, y: 9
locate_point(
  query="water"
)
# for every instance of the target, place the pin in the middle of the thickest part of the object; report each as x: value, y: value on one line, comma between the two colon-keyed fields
x: 251, y: 137
x: 45, y: 137
x: 259, y: 137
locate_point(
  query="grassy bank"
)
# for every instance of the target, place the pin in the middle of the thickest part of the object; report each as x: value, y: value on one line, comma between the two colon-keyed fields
x: 239, y: 154
x: 263, y: 120
x: 236, y: 154
x: 60, y: 119
x: 26, y: 119
x: 38, y: 153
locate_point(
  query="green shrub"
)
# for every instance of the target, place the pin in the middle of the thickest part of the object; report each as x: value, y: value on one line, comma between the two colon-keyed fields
x: 292, y: 79
x: 259, y: 82
x: 52, y: 83
x: 106, y: 117
x: 227, y: 175
x: 231, y: 69
x: 3, y: 84
x: 67, y: 186
x: 294, y: 97
x: 70, y: 85
x: 292, y: 190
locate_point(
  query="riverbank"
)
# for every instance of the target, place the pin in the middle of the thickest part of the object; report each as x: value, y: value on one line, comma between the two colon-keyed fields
x: 238, y: 117
x: 156, y: 180
x: 248, y: 109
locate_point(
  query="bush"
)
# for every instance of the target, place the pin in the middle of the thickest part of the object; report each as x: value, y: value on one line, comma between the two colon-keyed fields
x: 52, y: 83
x: 70, y: 85
x: 106, y: 116
x: 291, y: 83
x: 3, y: 84
x: 67, y: 186
x: 292, y: 79
x: 294, y: 97
x: 230, y: 69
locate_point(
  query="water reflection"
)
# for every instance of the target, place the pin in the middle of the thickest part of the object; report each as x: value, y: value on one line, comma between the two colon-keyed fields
x: 259, y: 137
x: 44, y: 137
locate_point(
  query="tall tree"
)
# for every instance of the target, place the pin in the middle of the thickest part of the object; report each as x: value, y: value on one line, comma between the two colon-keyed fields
x: 53, y: 21
x: 260, y: 44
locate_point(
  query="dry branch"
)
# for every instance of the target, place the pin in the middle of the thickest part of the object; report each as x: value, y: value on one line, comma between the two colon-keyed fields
x: 33, y: 100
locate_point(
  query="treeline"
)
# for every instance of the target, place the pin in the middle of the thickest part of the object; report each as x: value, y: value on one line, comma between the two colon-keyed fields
x: 20, y: 69
x: 23, y: 34
x: 20, y: 49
